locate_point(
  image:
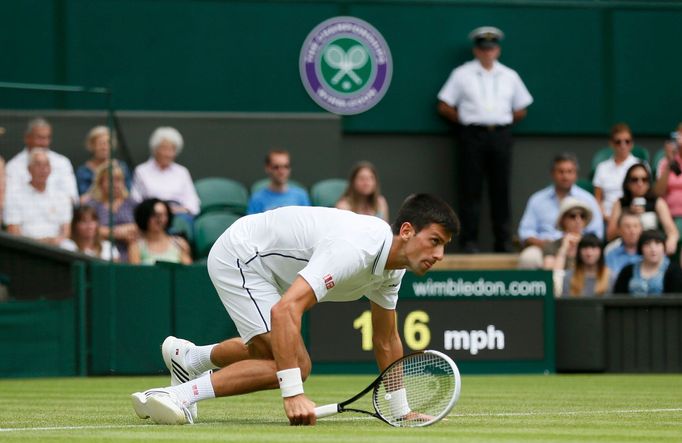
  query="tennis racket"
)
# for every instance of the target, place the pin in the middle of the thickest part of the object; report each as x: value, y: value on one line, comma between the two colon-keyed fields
x: 417, y: 390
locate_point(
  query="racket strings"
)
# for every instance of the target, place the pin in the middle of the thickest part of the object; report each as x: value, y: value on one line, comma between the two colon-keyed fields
x: 415, y: 391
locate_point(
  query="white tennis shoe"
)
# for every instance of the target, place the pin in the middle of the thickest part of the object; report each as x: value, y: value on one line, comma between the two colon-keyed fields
x: 162, y: 407
x: 174, y: 350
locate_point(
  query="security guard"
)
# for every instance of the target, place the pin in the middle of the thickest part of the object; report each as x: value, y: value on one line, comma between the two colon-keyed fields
x: 483, y: 98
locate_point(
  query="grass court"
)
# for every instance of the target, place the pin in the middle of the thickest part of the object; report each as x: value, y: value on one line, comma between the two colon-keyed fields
x: 605, y: 408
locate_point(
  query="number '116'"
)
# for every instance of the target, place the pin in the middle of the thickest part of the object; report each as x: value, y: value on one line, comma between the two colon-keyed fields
x: 415, y: 330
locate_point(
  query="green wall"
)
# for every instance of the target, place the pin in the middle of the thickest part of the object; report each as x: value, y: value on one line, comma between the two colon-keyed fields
x: 587, y: 63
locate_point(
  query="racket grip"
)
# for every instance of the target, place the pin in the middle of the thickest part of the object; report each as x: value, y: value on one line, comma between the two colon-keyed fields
x: 326, y: 410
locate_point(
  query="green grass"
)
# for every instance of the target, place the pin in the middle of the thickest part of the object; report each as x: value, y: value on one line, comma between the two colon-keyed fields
x: 617, y: 408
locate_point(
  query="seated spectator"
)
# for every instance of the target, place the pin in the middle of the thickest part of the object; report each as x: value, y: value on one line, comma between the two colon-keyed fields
x: 161, y: 177
x: 39, y: 135
x: 124, y: 227
x: 98, y: 143
x: 538, y: 224
x: 153, y: 218
x: 33, y: 209
x: 609, y: 175
x: 640, y: 199
x: 624, y: 252
x: 278, y: 193
x: 655, y: 274
x: 363, y: 194
x: 590, y: 277
x: 85, y: 236
x: 574, y: 216
x: 669, y: 173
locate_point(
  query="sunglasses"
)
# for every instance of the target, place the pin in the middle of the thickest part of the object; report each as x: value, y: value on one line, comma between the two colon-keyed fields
x: 638, y: 179
x: 575, y: 215
x: 622, y: 141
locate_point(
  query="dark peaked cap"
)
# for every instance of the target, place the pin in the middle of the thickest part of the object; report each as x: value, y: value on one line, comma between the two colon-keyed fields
x: 486, y: 36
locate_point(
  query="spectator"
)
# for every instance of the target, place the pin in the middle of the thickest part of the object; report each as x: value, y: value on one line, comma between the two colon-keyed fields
x: 278, y: 193
x: 669, y: 173
x: 538, y: 224
x: 609, y: 174
x: 655, y: 274
x: 161, y: 177
x: 98, y: 143
x: 624, y: 251
x: 153, y: 218
x: 125, y: 229
x: 85, y: 236
x: 590, y: 277
x: 640, y: 199
x: 574, y: 216
x: 35, y: 210
x: 483, y: 98
x: 363, y: 194
x: 39, y: 135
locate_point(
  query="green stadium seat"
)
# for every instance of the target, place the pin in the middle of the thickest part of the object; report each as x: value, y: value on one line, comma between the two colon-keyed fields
x: 585, y: 184
x: 658, y: 156
x: 208, y: 227
x: 220, y: 194
x: 260, y: 184
x: 604, y: 153
x: 181, y: 226
x: 327, y: 192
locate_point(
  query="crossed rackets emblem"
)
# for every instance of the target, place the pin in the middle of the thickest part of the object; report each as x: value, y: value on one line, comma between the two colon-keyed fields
x: 346, y: 63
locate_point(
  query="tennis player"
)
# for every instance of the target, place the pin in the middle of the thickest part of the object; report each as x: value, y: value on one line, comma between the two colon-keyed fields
x: 268, y: 269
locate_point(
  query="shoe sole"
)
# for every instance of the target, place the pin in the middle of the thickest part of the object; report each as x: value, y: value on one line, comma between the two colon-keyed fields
x: 140, y: 404
x: 163, y: 411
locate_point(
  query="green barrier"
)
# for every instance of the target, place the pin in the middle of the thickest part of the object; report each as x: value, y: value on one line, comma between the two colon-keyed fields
x: 133, y: 308
x: 38, y: 338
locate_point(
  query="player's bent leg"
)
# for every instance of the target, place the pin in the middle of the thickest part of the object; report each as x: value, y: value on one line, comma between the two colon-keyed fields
x: 229, y: 351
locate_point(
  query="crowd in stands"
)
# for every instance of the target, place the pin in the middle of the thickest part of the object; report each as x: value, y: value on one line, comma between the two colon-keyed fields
x: 104, y: 211
x: 621, y: 238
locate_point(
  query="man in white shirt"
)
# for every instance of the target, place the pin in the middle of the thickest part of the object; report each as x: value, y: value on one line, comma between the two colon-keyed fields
x: 36, y: 211
x: 483, y: 98
x: 62, y: 178
x: 270, y: 268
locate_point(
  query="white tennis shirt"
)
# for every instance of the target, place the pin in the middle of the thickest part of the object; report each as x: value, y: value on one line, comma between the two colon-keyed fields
x: 342, y: 255
x: 485, y: 97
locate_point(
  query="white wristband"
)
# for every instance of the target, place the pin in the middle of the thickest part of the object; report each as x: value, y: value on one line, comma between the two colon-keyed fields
x: 397, y: 403
x: 290, y: 382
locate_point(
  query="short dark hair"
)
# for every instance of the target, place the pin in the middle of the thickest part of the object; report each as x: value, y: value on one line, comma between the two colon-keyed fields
x: 565, y: 157
x: 649, y: 236
x: 421, y: 210
x: 272, y: 152
x: 145, y: 210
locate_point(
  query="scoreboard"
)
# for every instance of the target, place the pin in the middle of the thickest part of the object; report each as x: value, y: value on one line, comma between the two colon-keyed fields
x: 487, y: 321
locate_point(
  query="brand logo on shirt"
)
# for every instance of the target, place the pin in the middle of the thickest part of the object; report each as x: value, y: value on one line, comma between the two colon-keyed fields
x: 329, y: 281
x: 345, y: 65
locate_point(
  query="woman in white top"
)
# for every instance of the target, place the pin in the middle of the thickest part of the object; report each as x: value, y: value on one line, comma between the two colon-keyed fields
x: 85, y: 236
x: 161, y: 177
x: 609, y: 175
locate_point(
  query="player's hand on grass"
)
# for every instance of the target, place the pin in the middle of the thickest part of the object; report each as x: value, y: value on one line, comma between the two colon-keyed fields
x: 300, y: 410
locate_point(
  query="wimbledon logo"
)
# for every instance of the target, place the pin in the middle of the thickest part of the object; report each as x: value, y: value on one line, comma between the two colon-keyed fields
x: 345, y: 65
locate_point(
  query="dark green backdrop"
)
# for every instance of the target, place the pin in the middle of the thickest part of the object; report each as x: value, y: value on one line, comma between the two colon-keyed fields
x: 588, y: 63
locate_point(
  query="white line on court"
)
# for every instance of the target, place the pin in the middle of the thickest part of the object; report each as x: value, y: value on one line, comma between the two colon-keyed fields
x: 355, y: 418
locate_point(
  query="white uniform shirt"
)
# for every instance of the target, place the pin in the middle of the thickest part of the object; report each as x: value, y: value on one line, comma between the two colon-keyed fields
x: 38, y: 214
x: 61, y: 179
x: 609, y: 177
x: 485, y: 97
x: 340, y: 254
x: 173, y: 183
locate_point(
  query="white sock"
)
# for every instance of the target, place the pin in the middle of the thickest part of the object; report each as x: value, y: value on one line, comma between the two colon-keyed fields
x: 199, y: 358
x: 194, y: 390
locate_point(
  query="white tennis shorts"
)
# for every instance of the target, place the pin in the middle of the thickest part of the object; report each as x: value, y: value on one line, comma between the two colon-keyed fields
x: 247, y: 296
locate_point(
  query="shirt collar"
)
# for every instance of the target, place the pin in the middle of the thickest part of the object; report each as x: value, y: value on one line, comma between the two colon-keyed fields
x: 482, y: 70
x: 380, y: 262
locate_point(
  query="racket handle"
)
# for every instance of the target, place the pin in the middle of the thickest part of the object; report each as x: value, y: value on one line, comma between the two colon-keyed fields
x: 326, y: 410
